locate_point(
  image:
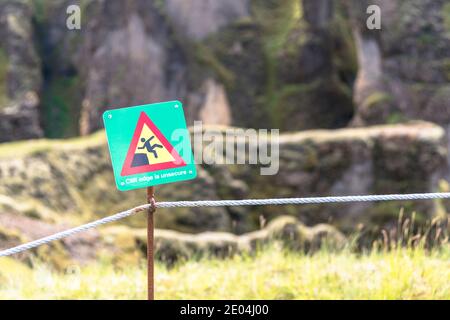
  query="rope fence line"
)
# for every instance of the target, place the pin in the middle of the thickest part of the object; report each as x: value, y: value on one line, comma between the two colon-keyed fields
x: 223, y: 203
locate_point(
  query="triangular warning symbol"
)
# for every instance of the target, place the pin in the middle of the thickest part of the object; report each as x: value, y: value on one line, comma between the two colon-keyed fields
x: 149, y: 150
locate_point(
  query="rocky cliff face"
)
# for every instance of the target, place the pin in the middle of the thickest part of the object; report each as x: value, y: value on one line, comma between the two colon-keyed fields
x: 49, y: 185
x: 52, y: 181
x: 403, y: 68
x: 123, y: 55
x: 255, y: 63
x: 316, y: 67
x: 197, y: 19
x: 130, y: 53
x: 374, y: 160
x: 288, y: 64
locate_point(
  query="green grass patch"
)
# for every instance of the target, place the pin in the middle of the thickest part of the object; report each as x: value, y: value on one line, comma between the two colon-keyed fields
x: 271, y: 274
x: 28, y: 147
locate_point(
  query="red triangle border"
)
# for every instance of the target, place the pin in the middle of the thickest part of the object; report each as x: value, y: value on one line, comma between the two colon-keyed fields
x: 127, y: 170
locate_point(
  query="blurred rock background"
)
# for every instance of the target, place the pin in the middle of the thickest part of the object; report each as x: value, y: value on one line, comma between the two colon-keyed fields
x: 360, y: 111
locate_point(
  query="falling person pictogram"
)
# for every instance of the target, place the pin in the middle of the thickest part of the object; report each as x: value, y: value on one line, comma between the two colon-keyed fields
x: 142, y: 158
x: 150, y: 147
x: 149, y: 150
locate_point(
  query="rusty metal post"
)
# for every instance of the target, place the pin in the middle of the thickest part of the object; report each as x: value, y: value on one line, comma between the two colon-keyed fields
x: 150, y: 238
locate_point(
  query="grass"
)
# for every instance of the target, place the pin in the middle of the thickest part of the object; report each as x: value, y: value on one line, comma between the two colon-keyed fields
x: 29, y: 147
x: 271, y: 274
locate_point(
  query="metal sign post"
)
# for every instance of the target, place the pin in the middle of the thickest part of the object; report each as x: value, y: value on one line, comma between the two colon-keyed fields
x: 150, y: 240
x: 149, y: 145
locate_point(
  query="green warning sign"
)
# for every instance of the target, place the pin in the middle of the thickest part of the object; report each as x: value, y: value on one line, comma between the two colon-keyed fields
x: 149, y: 145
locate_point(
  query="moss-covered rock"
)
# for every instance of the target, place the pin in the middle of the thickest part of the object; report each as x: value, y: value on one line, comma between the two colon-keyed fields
x: 56, y: 181
x: 20, y: 77
x: 236, y: 48
x: 74, y: 179
x: 172, y: 246
x: 3, y: 82
x: 288, y: 230
x: 326, y: 236
x: 375, y: 160
x: 407, y: 64
x: 331, y: 100
x: 315, y: 69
